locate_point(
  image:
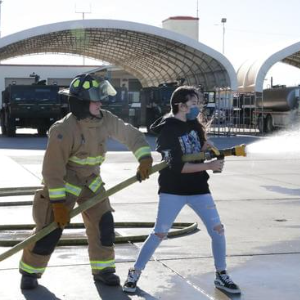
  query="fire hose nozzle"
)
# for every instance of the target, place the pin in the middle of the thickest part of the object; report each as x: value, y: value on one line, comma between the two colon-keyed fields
x: 240, y: 150
x: 234, y: 151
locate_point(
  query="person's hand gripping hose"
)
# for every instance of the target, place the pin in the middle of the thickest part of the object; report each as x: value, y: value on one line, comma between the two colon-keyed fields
x: 61, y: 214
x: 144, y: 168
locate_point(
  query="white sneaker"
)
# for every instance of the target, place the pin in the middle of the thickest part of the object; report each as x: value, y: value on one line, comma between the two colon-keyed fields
x: 131, y: 281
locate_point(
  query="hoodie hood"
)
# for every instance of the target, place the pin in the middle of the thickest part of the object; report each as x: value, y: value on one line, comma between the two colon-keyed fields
x: 160, y: 123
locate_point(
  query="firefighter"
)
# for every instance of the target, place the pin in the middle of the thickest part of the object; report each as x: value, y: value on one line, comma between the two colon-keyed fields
x: 71, y: 173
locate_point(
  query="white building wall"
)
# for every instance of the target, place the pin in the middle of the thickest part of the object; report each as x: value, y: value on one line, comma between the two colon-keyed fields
x: 187, y: 26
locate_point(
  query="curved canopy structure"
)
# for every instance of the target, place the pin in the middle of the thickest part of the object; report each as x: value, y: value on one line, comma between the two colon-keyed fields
x: 251, y: 74
x: 153, y: 55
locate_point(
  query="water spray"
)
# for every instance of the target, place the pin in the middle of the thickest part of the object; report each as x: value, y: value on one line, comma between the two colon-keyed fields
x: 285, y: 144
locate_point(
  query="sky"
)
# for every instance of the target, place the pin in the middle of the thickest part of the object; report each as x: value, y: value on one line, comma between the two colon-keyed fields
x: 254, y: 28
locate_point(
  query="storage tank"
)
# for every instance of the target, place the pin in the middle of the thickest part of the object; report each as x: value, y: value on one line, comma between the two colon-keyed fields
x: 280, y: 99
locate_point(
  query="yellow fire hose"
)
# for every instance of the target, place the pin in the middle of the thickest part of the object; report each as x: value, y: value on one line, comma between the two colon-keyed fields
x: 84, y: 206
x: 180, y: 229
x: 19, y: 191
x: 105, y: 194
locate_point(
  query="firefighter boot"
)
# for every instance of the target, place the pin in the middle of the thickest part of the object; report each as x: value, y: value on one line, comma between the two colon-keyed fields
x: 29, y: 281
x: 108, y: 277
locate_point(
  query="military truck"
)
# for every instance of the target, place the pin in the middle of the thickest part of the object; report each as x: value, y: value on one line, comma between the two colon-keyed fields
x: 29, y: 106
x: 278, y: 108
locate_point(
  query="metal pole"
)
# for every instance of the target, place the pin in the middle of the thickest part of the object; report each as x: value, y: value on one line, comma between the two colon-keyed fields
x: 83, y: 58
x: 83, y: 17
x: 0, y: 23
x: 223, y: 20
x: 223, y: 48
x: 0, y: 17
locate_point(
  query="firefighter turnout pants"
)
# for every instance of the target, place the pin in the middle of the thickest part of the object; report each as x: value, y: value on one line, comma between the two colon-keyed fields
x: 99, y: 224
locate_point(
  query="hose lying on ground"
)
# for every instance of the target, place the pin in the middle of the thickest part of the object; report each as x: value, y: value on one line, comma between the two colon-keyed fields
x: 84, y: 206
x: 19, y: 191
x: 181, y: 229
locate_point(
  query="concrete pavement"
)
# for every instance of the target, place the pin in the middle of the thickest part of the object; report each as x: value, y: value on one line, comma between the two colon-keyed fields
x: 258, y: 200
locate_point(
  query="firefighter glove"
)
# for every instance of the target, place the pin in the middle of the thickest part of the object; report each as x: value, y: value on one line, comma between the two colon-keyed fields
x: 61, y: 214
x: 144, y: 168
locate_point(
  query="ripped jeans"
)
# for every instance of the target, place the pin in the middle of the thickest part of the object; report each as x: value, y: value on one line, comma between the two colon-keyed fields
x: 168, y: 208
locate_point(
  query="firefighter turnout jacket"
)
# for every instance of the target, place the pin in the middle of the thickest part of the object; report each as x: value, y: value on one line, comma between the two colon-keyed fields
x: 76, y: 149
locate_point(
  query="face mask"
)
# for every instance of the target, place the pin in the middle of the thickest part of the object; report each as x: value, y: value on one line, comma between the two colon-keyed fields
x: 192, y: 115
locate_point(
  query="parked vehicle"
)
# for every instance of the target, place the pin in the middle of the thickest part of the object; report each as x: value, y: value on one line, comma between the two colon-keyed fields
x: 29, y: 106
x: 278, y: 108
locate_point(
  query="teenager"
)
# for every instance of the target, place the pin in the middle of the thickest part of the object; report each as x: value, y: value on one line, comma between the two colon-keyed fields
x: 179, y: 133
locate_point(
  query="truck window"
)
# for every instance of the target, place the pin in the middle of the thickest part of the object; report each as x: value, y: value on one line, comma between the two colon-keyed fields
x: 34, y: 94
x: 48, y: 94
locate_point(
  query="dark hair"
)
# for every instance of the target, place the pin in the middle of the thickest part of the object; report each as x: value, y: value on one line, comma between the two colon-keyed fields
x: 182, y: 95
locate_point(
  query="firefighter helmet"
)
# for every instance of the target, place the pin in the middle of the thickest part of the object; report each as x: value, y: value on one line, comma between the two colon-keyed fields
x: 85, y: 87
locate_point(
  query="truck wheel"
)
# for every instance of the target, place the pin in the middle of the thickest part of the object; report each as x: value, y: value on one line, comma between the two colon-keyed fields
x: 269, y: 124
x: 10, y: 130
x: 9, y: 125
x: 3, y: 127
x: 261, y: 124
x: 42, y: 131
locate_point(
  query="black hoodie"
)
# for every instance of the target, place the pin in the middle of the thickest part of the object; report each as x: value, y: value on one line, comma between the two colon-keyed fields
x: 175, y: 138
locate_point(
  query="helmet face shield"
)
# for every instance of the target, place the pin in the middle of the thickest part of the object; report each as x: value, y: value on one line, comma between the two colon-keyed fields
x: 87, y: 88
x: 104, y: 90
x: 108, y: 89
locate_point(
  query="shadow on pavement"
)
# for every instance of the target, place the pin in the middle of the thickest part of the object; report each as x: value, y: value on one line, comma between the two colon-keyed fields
x: 229, y: 295
x: 23, y: 141
x: 39, y: 293
x: 282, y: 190
x: 109, y: 292
x: 141, y: 293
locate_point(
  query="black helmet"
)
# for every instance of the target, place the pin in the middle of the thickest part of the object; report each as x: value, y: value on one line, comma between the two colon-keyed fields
x: 85, y: 88
x: 88, y: 88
